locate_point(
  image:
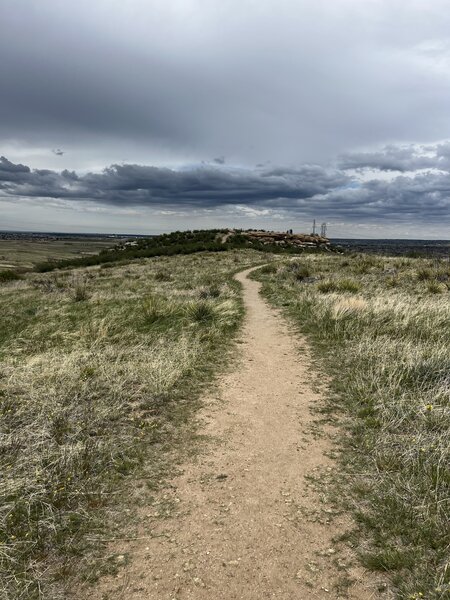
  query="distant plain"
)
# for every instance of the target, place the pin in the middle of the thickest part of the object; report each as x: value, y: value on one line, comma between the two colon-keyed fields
x: 26, y: 250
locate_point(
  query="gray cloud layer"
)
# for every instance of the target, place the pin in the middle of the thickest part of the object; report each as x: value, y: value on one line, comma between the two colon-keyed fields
x: 171, y: 84
x: 288, y: 81
x: 422, y: 195
x: 400, y: 158
x: 204, y: 186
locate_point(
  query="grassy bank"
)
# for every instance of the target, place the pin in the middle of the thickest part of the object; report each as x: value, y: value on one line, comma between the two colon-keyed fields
x: 101, y: 370
x: 381, y: 329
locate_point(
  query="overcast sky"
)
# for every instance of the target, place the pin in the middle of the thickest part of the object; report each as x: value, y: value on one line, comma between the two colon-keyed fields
x: 153, y: 115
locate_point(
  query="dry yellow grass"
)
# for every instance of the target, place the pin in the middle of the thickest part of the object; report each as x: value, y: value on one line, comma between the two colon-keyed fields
x: 100, y: 373
x: 387, y: 352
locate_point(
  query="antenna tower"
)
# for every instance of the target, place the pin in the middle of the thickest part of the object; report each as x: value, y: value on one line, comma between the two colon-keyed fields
x: 323, y: 230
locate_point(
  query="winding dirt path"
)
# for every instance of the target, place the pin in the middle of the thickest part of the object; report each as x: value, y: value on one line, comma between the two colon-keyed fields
x: 250, y: 524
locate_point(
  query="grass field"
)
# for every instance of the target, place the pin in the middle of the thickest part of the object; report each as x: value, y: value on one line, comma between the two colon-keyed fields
x: 100, y: 375
x: 381, y: 332
x: 27, y: 252
x: 101, y: 370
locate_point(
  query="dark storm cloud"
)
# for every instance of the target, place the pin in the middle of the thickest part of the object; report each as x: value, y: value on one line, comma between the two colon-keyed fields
x: 400, y: 158
x: 136, y: 185
x: 308, y: 189
x: 423, y: 198
x: 9, y: 171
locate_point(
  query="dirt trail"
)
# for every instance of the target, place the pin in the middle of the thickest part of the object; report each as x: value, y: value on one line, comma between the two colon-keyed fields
x: 249, y: 525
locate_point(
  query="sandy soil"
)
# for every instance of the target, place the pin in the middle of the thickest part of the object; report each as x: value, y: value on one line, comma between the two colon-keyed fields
x: 249, y: 523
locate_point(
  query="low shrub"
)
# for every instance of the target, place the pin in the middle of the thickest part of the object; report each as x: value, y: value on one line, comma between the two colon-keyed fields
x: 7, y: 275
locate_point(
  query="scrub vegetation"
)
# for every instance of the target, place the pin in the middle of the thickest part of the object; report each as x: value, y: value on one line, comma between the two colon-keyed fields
x: 380, y: 327
x: 170, y: 244
x: 100, y: 375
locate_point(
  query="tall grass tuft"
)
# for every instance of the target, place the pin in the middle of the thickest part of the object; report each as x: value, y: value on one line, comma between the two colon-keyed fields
x: 201, y: 312
x: 79, y: 291
x: 339, y: 285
